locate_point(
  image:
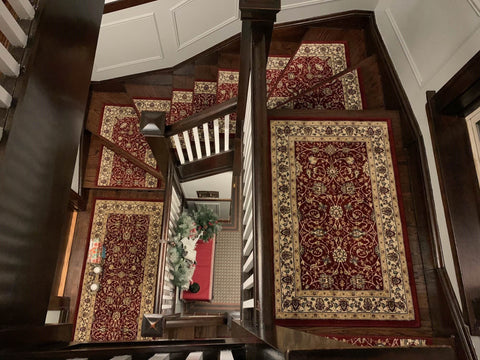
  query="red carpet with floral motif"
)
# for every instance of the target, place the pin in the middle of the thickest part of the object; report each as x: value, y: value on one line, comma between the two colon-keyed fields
x: 343, y: 93
x: 311, y: 63
x: 374, y: 341
x: 120, y: 125
x: 341, y: 250
x: 120, y: 271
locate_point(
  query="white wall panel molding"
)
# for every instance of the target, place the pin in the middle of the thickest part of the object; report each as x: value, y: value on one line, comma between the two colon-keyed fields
x: 304, y: 3
x: 475, y: 4
x: 139, y: 42
x: 185, y: 13
x: 404, y: 46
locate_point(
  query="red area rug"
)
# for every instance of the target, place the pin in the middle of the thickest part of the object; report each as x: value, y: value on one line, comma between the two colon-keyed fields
x: 114, y: 299
x: 311, y: 63
x: 343, y: 93
x: 120, y: 125
x: 374, y: 341
x: 341, y: 250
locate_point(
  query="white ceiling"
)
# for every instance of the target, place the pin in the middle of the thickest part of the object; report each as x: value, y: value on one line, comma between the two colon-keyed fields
x: 163, y: 33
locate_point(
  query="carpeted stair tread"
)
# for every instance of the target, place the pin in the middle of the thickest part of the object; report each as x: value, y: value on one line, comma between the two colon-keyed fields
x: 342, y: 93
x: 354, y: 37
x: 275, y: 66
x: 312, y: 62
x: 151, y: 104
x: 181, y: 106
x: 204, y: 95
x: 120, y: 125
x: 368, y: 82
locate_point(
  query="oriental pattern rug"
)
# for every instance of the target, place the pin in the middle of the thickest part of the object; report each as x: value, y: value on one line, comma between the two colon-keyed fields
x: 341, y: 252
x: 119, y: 286
x: 120, y: 125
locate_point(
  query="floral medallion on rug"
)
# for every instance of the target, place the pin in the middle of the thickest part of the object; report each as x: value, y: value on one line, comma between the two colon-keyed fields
x: 120, y: 125
x: 343, y: 93
x: 341, y: 249
x: 311, y: 63
x: 121, y: 270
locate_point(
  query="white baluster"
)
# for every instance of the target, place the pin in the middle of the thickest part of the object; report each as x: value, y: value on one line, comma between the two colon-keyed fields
x: 206, y: 136
x: 178, y: 147
x: 10, y: 28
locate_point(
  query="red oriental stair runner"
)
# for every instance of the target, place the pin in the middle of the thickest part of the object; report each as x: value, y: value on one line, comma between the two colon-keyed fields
x: 120, y: 125
x: 340, y: 247
x: 119, y: 287
x: 203, y: 274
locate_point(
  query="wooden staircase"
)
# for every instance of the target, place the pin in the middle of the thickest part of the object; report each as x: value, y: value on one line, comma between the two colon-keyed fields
x: 197, y: 135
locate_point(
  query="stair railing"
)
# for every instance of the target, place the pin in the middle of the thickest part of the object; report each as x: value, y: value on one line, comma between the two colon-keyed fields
x: 166, y: 290
x: 174, y: 142
x: 257, y: 263
x: 15, y: 19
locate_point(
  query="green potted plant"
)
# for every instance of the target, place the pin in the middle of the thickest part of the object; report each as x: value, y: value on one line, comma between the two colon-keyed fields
x: 207, y: 223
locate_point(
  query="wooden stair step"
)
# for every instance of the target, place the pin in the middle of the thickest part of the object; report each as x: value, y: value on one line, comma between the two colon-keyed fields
x: 285, y: 40
x: 148, y: 91
x: 229, y: 60
x: 355, y: 39
x: 97, y: 102
x: 206, y: 72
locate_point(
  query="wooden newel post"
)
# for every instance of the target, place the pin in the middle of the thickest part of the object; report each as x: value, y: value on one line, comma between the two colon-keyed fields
x: 152, y: 126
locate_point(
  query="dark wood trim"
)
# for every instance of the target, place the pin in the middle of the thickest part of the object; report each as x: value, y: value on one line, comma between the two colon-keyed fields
x: 212, y: 165
x: 101, y: 351
x: 50, y: 113
x: 202, y: 117
x: 152, y: 126
x: 44, y: 335
x: 127, y: 155
x: 463, y: 340
x: 461, y: 94
x: 167, y: 205
x: 76, y: 202
x: 461, y: 201
x: 123, y: 4
x: 262, y: 217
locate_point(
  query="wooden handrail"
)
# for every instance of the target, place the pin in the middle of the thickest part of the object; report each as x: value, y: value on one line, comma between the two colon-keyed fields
x: 202, y: 117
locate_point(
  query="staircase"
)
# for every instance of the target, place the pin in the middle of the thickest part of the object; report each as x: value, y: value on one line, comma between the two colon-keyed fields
x: 188, y: 117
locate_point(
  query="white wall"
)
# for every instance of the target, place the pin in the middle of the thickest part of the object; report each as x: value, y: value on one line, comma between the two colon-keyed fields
x: 163, y: 33
x: 429, y: 41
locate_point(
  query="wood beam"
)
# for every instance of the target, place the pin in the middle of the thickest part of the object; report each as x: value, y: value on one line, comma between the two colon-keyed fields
x: 120, y: 151
x: 212, y: 165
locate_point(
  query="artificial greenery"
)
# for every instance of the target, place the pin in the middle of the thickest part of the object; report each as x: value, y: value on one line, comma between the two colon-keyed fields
x: 203, y: 224
x: 207, y: 223
x: 182, y: 267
